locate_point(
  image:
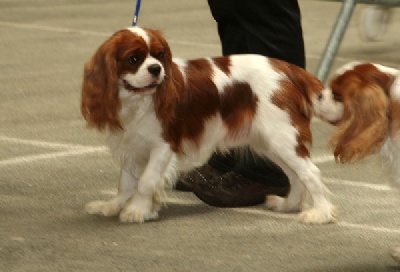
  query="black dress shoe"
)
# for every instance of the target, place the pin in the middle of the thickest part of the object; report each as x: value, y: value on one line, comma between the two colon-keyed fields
x: 189, y: 181
x: 234, y: 190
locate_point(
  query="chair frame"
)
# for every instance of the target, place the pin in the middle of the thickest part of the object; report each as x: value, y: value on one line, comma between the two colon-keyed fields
x: 339, y: 29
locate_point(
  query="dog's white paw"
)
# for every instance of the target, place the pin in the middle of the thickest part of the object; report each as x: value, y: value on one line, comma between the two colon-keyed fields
x: 140, y: 208
x: 319, y: 216
x: 280, y: 204
x: 275, y: 203
x: 135, y: 215
x: 106, y: 208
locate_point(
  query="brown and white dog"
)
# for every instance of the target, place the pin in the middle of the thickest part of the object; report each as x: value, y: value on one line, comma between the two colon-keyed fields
x: 165, y: 115
x: 363, y: 100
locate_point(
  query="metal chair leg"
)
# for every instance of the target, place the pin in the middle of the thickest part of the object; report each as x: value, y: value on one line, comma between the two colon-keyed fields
x: 335, y: 39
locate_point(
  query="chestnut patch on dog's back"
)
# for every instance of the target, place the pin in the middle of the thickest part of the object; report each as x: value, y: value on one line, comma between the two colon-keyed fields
x: 196, y: 102
x: 238, y: 105
x: 223, y: 63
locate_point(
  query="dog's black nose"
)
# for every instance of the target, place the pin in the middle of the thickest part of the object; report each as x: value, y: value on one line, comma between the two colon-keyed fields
x: 154, y: 69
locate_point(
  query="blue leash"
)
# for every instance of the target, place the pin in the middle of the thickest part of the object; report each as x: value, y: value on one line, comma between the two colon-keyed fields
x: 136, y: 15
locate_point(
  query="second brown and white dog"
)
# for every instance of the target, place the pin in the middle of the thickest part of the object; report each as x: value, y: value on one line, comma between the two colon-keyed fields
x: 163, y: 116
x: 363, y: 101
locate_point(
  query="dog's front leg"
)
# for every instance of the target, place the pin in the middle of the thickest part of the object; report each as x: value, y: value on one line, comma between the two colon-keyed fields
x: 141, y: 206
x: 127, y: 184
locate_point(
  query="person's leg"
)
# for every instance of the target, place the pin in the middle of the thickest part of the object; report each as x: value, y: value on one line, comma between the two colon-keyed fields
x: 270, y: 28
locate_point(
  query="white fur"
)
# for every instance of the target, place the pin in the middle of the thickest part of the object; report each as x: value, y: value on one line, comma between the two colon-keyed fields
x: 147, y: 161
x: 327, y: 108
x: 346, y: 67
x: 142, y: 33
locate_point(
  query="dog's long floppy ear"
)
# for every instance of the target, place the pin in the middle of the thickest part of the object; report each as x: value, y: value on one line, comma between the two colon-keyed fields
x: 167, y: 94
x: 365, y: 123
x: 99, y: 100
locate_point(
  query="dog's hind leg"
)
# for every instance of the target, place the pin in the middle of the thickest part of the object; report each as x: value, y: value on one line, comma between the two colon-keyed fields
x: 303, y: 170
x: 293, y: 202
x: 322, y: 210
x: 126, y: 188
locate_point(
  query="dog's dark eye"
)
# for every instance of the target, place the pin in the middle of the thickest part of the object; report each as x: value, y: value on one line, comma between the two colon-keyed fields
x: 134, y: 59
x: 320, y: 96
x: 160, y: 55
